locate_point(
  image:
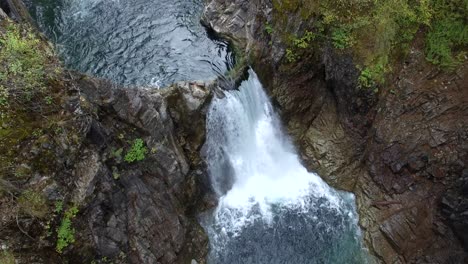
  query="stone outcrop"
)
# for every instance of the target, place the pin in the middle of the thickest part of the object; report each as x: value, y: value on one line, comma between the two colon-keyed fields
x: 129, y: 211
x: 145, y: 210
x: 402, y: 151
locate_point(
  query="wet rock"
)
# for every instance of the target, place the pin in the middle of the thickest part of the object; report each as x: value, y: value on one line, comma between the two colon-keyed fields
x: 408, y: 145
x: 142, y: 212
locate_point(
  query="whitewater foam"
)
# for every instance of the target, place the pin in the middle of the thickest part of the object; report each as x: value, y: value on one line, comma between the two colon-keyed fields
x: 264, y: 191
x: 244, y: 131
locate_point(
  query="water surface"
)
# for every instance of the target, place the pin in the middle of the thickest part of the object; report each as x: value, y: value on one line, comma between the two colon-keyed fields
x: 132, y: 42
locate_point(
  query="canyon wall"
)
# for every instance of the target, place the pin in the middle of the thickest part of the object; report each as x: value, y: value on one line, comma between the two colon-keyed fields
x: 402, y: 150
x: 98, y: 172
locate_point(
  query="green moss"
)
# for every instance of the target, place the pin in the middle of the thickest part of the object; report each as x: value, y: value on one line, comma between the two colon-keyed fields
x: 33, y: 203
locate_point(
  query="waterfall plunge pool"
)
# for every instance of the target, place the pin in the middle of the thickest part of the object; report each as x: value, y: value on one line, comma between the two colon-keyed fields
x: 271, y: 210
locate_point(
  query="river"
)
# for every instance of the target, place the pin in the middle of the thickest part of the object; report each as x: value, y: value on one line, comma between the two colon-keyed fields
x: 271, y: 209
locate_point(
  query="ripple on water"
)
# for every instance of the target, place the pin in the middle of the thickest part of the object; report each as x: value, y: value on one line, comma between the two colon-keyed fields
x: 133, y: 42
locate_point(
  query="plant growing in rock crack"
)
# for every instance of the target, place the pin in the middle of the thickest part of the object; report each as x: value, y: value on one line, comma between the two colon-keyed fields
x: 137, y: 152
x: 341, y: 38
x: 371, y: 76
x: 291, y: 56
x: 65, y: 232
x: 268, y: 29
x: 58, y: 207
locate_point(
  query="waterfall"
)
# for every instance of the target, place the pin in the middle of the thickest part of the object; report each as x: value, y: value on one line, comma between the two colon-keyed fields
x: 271, y: 209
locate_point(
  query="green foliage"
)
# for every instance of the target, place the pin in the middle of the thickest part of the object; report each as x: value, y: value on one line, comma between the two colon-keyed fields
x: 373, y: 75
x: 65, y: 232
x: 33, y: 203
x: 304, y: 41
x: 291, y: 56
x: 268, y: 29
x: 379, y: 32
x: 22, y: 68
x: 6, y: 257
x: 137, y: 152
x: 58, y: 207
x: 447, y: 39
x: 48, y: 100
x: 341, y: 38
x: 299, y: 43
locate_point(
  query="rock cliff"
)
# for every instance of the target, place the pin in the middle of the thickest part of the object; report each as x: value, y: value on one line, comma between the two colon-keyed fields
x: 402, y: 150
x: 106, y: 174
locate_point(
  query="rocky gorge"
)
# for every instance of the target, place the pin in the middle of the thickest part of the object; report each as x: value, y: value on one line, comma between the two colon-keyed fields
x: 402, y: 151
x: 125, y: 212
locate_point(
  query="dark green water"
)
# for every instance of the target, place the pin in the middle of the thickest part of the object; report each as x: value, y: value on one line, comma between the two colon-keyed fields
x: 133, y: 42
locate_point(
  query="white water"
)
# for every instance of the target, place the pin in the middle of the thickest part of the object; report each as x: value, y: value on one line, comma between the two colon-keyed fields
x: 259, y: 179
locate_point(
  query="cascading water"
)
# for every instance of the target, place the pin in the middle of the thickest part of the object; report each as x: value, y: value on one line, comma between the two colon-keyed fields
x: 271, y: 210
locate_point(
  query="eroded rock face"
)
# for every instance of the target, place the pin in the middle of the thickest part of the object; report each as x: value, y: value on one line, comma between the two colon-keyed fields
x: 402, y: 151
x: 129, y: 211
x: 143, y: 210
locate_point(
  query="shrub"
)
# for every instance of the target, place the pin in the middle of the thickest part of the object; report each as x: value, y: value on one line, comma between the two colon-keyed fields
x: 341, y: 38
x: 137, y: 152
x: 33, y: 204
x: 372, y: 75
x: 379, y: 30
x: 22, y: 72
x: 65, y: 232
x: 447, y: 39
